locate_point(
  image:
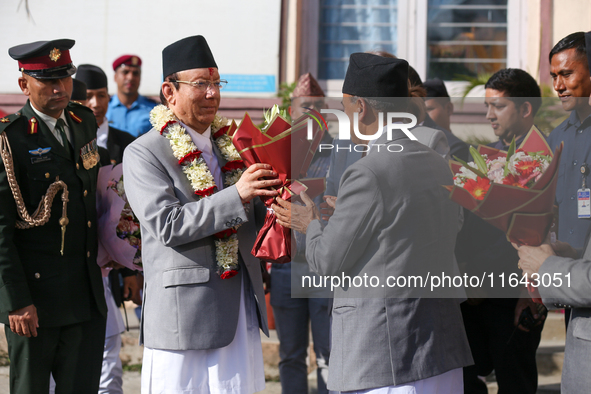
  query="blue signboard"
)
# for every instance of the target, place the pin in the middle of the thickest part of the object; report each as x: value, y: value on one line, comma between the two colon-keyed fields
x: 249, y: 83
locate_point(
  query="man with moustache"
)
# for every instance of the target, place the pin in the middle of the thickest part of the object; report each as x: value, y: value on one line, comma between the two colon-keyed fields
x: 97, y: 99
x: 573, y: 266
x: 497, y: 341
x: 51, y: 299
x: 570, y: 79
x: 199, y: 326
x: 128, y: 110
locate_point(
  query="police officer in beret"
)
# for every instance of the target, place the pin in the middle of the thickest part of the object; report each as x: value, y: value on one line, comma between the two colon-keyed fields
x: 128, y: 110
x: 51, y: 298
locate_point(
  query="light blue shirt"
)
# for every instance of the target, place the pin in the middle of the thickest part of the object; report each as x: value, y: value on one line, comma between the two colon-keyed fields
x: 135, y: 120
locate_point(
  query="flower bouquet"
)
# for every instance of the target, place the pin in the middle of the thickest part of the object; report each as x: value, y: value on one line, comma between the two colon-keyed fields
x: 118, y: 227
x: 514, y: 190
x: 274, y: 144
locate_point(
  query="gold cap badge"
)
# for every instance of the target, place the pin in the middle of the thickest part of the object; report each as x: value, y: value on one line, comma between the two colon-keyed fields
x: 55, y: 54
x: 134, y: 61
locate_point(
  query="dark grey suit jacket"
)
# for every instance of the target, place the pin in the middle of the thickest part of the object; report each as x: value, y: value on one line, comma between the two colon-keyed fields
x: 575, y: 294
x: 392, y: 217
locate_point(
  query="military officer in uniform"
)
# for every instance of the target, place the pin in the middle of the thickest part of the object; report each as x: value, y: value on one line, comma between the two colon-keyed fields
x: 51, y: 293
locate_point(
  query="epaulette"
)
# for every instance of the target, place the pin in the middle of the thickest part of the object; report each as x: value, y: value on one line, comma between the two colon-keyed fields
x: 77, y: 106
x: 8, y: 120
x: 73, y: 109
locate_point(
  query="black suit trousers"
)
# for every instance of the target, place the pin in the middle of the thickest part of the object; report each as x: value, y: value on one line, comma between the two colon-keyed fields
x: 497, y: 345
x: 72, y: 353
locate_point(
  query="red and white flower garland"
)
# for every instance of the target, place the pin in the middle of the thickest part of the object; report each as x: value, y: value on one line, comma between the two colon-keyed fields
x: 200, y: 177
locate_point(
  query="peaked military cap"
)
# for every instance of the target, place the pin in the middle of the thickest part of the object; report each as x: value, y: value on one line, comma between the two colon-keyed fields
x: 45, y: 59
x: 187, y: 54
x: 376, y: 76
x: 94, y: 77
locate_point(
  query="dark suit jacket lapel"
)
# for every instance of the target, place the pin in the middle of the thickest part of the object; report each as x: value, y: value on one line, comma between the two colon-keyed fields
x: 113, y: 146
x: 45, y: 136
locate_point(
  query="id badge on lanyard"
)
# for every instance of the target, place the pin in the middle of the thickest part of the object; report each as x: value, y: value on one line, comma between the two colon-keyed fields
x: 583, y: 196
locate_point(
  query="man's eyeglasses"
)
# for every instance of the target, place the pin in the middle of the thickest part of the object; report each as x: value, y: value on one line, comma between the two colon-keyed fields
x: 204, y: 85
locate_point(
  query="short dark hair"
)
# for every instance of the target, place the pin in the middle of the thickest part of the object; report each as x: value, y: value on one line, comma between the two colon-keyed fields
x: 574, y: 40
x: 518, y: 85
x: 172, y: 78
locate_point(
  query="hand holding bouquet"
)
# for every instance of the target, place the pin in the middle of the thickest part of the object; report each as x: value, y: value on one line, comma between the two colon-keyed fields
x: 289, y: 150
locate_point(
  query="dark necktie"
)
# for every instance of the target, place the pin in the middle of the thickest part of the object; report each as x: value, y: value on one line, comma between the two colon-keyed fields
x: 59, y: 126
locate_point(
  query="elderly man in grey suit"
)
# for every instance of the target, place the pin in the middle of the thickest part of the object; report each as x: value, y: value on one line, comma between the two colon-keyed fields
x: 203, y: 300
x: 391, y: 217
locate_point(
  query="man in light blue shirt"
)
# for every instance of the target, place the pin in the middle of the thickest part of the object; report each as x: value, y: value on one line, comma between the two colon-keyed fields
x: 128, y: 110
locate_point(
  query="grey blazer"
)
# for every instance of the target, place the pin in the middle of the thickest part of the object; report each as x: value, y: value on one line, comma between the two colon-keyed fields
x: 341, y: 158
x: 186, y: 305
x: 576, y: 371
x: 392, y: 216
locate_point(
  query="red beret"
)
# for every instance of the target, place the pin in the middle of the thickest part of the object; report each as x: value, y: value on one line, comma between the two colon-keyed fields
x: 128, y: 60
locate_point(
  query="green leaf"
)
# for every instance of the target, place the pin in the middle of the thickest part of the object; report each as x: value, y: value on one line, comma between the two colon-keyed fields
x: 478, y: 160
x: 468, y: 166
x: 510, y: 153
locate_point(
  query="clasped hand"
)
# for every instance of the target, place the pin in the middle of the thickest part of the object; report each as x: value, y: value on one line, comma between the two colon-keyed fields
x: 296, y: 217
x: 531, y: 258
x: 24, y: 321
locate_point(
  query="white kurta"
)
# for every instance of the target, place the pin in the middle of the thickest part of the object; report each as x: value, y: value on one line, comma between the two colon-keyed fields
x: 234, y: 369
x: 450, y: 382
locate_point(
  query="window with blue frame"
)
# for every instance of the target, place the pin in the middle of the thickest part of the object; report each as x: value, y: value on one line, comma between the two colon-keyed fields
x: 466, y: 38
x: 349, y: 26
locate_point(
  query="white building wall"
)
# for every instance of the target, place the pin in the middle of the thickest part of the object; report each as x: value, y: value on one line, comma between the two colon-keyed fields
x: 243, y: 36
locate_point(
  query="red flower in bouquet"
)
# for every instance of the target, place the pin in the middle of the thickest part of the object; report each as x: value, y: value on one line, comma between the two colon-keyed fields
x: 526, y: 167
x: 478, y: 187
x: 514, y: 180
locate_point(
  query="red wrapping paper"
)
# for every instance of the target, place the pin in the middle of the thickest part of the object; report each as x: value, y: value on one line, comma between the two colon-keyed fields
x: 525, y: 215
x: 274, y: 146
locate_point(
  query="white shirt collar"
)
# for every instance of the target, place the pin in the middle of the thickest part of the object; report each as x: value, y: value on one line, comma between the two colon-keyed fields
x: 51, y: 122
x: 201, y: 141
